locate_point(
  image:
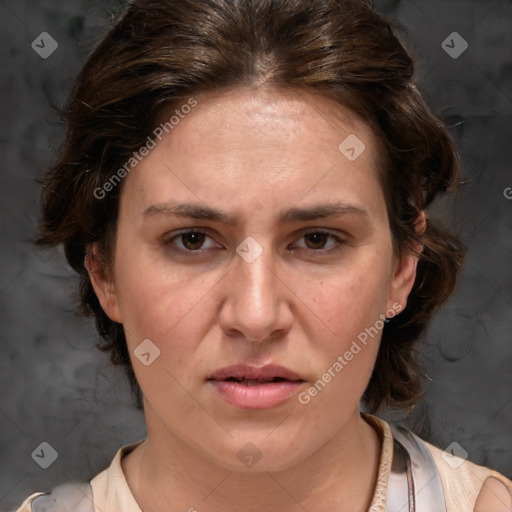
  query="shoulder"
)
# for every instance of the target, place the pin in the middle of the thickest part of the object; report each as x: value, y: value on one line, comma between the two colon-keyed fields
x: 26, y: 506
x: 84, y: 496
x: 468, y: 486
x: 64, y: 497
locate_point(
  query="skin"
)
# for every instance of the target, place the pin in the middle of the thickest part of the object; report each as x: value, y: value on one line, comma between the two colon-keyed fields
x: 254, y: 153
x: 493, y: 497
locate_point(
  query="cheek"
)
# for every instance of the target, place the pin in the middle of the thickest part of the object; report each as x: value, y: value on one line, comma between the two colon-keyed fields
x: 162, y: 302
x: 350, y: 305
x: 173, y: 310
x: 351, y: 301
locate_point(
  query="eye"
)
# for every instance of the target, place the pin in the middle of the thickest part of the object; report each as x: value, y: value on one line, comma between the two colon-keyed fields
x: 189, y: 242
x: 316, y: 240
x: 194, y: 242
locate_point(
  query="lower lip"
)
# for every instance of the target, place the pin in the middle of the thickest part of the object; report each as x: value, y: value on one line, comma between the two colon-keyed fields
x: 261, y: 396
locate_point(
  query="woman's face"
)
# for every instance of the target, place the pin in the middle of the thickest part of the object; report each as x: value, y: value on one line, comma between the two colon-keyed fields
x: 249, y: 235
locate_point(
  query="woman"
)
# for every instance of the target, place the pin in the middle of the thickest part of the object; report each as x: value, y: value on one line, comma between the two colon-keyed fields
x: 243, y: 192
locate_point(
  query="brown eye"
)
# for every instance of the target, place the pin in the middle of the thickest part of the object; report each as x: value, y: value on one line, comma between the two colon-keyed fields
x: 317, y: 240
x: 320, y: 242
x: 192, y: 241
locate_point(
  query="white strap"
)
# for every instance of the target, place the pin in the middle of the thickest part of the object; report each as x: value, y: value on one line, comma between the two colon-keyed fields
x: 414, y: 484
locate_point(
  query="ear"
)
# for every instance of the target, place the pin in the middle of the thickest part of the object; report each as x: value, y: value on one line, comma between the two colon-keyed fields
x: 102, y: 282
x: 404, y: 273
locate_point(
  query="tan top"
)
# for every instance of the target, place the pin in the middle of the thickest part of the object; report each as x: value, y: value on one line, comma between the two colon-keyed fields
x: 462, y: 480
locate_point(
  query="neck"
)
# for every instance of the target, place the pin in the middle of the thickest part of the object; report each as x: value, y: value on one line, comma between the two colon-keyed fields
x: 164, y: 473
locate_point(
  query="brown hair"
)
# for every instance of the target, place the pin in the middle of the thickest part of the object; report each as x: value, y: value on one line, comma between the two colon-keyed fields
x: 163, y: 52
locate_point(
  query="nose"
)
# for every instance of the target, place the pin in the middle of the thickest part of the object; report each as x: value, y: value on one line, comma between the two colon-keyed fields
x: 257, y: 303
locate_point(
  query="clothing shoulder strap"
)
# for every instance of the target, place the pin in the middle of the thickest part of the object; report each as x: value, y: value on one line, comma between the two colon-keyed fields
x: 65, y: 498
x: 414, y: 482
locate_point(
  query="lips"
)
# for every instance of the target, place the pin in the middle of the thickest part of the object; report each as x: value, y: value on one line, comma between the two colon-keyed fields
x: 250, y: 387
x: 252, y: 374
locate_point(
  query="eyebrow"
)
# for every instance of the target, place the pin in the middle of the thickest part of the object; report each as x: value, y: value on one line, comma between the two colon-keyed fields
x: 202, y: 212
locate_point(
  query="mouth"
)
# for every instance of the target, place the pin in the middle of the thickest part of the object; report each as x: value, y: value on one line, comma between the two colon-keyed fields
x: 250, y: 387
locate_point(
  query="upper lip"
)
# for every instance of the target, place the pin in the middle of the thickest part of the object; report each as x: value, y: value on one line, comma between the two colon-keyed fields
x: 245, y: 371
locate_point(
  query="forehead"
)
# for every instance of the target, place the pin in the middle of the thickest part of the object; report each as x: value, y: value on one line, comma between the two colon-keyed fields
x: 276, y: 117
x: 260, y: 146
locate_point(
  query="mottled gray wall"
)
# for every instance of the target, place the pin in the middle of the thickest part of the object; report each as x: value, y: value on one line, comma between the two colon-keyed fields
x: 57, y: 388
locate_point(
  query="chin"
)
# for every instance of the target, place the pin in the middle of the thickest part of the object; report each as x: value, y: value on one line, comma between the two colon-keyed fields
x: 255, y: 454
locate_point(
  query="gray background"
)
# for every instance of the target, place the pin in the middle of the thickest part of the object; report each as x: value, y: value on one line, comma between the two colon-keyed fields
x: 56, y: 387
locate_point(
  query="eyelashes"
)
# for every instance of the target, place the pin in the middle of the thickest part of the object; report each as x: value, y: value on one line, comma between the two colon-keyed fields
x: 318, y: 235
x: 191, y: 242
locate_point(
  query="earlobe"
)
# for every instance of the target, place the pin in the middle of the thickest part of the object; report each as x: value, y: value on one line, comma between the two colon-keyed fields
x: 102, y: 282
